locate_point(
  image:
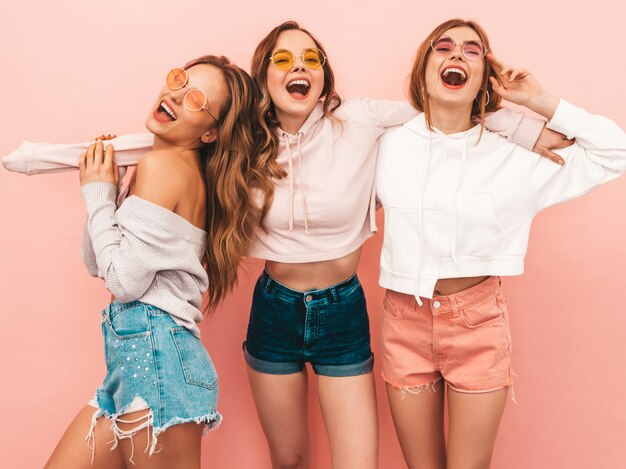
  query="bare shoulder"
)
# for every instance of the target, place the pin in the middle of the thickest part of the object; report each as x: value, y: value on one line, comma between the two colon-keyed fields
x: 161, y: 178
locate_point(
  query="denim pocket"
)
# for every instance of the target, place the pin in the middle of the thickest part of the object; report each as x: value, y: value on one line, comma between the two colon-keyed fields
x: 197, y: 366
x: 483, y: 313
x: 130, y: 323
x: 391, y: 309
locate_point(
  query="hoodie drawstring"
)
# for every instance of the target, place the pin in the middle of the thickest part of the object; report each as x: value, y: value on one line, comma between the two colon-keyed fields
x: 291, y: 182
x: 455, y: 208
x: 421, y: 205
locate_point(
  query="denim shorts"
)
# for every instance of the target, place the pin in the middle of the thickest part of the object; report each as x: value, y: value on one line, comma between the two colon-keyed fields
x: 328, y: 328
x: 153, y: 363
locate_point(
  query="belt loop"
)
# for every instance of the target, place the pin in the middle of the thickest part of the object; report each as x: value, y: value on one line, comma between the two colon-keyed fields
x: 266, y: 281
x: 454, y: 306
x: 333, y: 293
x: 106, y: 313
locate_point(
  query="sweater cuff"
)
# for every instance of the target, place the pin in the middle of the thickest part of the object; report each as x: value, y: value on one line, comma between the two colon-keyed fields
x: 567, y: 119
x: 528, y: 132
x: 98, y: 193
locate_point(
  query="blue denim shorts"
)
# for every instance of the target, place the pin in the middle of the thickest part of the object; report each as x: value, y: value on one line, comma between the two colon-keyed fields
x: 328, y: 328
x: 153, y: 363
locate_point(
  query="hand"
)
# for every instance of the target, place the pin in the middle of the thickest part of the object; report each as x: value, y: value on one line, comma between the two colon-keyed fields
x: 519, y: 86
x: 550, y: 140
x: 106, y: 137
x: 516, y: 85
x: 96, y: 165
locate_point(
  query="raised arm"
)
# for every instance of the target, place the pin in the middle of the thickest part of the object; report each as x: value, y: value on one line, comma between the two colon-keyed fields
x: 129, y: 250
x: 597, y: 156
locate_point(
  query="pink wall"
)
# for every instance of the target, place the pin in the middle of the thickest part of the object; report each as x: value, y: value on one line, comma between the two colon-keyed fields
x: 71, y: 70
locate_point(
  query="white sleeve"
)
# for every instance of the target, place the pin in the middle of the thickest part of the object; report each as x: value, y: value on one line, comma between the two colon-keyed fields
x: 44, y: 158
x: 598, y: 156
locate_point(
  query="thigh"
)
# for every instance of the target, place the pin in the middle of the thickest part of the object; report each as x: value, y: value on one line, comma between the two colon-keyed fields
x: 349, y: 408
x: 281, y: 403
x: 473, y: 425
x: 177, y: 447
x: 75, y: 452
x: 418, y: 419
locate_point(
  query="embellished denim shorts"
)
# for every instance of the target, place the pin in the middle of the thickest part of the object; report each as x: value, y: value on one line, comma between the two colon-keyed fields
x: 328, y: 328
x: 153, y: 363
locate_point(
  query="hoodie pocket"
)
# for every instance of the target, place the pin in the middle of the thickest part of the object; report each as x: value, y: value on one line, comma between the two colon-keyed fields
x: 478, y: 232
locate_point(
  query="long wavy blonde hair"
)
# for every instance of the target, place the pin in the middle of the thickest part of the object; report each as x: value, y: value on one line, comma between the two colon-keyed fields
x: 233, y: 178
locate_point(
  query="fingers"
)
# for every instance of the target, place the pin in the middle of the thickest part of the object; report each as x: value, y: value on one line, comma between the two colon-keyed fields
x: 98, y: 155
x: 497, y: 87
x: 565, y: 143
x: 89, y: 155
x: 82, y: 161
x: 108, y: 157
x: 520, y: 73
x: 546, y: 153
x: 495, y: 62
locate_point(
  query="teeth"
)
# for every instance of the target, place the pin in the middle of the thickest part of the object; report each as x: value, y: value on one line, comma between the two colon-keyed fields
x: 168, y: 110
x: 299, y: 82
x: 457, y: 70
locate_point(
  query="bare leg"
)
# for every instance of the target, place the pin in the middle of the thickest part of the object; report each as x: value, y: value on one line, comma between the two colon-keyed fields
x: 281, y: 403
x: 474, y: 421
x: 418, y: 418
x: 351, y: 418
x: 177, y: 447
x: 73, y: 450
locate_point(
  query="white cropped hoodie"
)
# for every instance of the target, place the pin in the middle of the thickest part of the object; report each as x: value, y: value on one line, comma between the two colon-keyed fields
x: 459, y: 207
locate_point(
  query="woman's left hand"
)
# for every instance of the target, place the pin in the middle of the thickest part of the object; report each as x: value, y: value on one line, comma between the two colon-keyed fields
x: 516, y: 85
x: 519, y: 86
x: 97, y: 165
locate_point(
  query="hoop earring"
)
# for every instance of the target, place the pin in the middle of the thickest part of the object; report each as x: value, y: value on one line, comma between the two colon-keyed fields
x: 488, y: 97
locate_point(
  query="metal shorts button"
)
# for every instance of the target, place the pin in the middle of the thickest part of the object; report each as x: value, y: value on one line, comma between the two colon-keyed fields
x: 308, y: 298
x: 436, y: 304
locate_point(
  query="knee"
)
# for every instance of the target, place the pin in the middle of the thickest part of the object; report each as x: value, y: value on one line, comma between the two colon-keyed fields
x: 291, y: 460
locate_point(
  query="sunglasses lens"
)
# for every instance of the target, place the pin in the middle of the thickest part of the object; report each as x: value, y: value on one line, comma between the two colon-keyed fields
x: 282, y: 59
x: 195, y: 100
x: 313, y: 58
x: 474, y: 50
x: 443, y: 45
x: 176, y: 79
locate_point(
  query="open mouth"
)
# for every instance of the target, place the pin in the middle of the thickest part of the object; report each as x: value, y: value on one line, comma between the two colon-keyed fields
x: 298, y: 88
x: 454, y: 77
x: 165, y: 113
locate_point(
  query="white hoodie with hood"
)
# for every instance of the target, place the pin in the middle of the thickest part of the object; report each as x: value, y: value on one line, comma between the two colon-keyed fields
x: 459, y: 207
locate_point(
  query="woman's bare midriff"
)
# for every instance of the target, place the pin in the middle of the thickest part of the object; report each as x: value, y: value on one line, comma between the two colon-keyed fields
x: 314, y: 275
x: 449, y: 286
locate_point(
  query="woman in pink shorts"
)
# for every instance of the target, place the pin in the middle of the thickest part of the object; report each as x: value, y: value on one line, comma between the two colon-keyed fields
x: 459, y: 201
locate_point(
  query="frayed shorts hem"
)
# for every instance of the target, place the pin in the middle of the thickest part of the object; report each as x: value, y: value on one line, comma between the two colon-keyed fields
x: 430, y: 384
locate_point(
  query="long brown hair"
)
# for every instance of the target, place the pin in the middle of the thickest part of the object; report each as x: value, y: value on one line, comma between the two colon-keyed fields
x: 267, y: 139
x: 232, y: 176
x: 418, y: 95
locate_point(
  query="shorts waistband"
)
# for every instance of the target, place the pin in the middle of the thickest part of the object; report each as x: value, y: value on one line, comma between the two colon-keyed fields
x: 330, y: 294
x: 115, y: 307
x: 468, y: 297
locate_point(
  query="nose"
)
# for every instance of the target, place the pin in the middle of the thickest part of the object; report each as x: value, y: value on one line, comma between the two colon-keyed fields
x: 457, y: 52
x: 178, y: 95
x: 298, y: 63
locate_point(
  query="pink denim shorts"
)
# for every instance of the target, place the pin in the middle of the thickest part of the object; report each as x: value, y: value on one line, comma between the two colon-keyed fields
x: 463, y: 338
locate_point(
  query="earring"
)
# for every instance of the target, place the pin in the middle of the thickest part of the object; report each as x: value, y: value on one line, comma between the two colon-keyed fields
x: 488, y: 97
